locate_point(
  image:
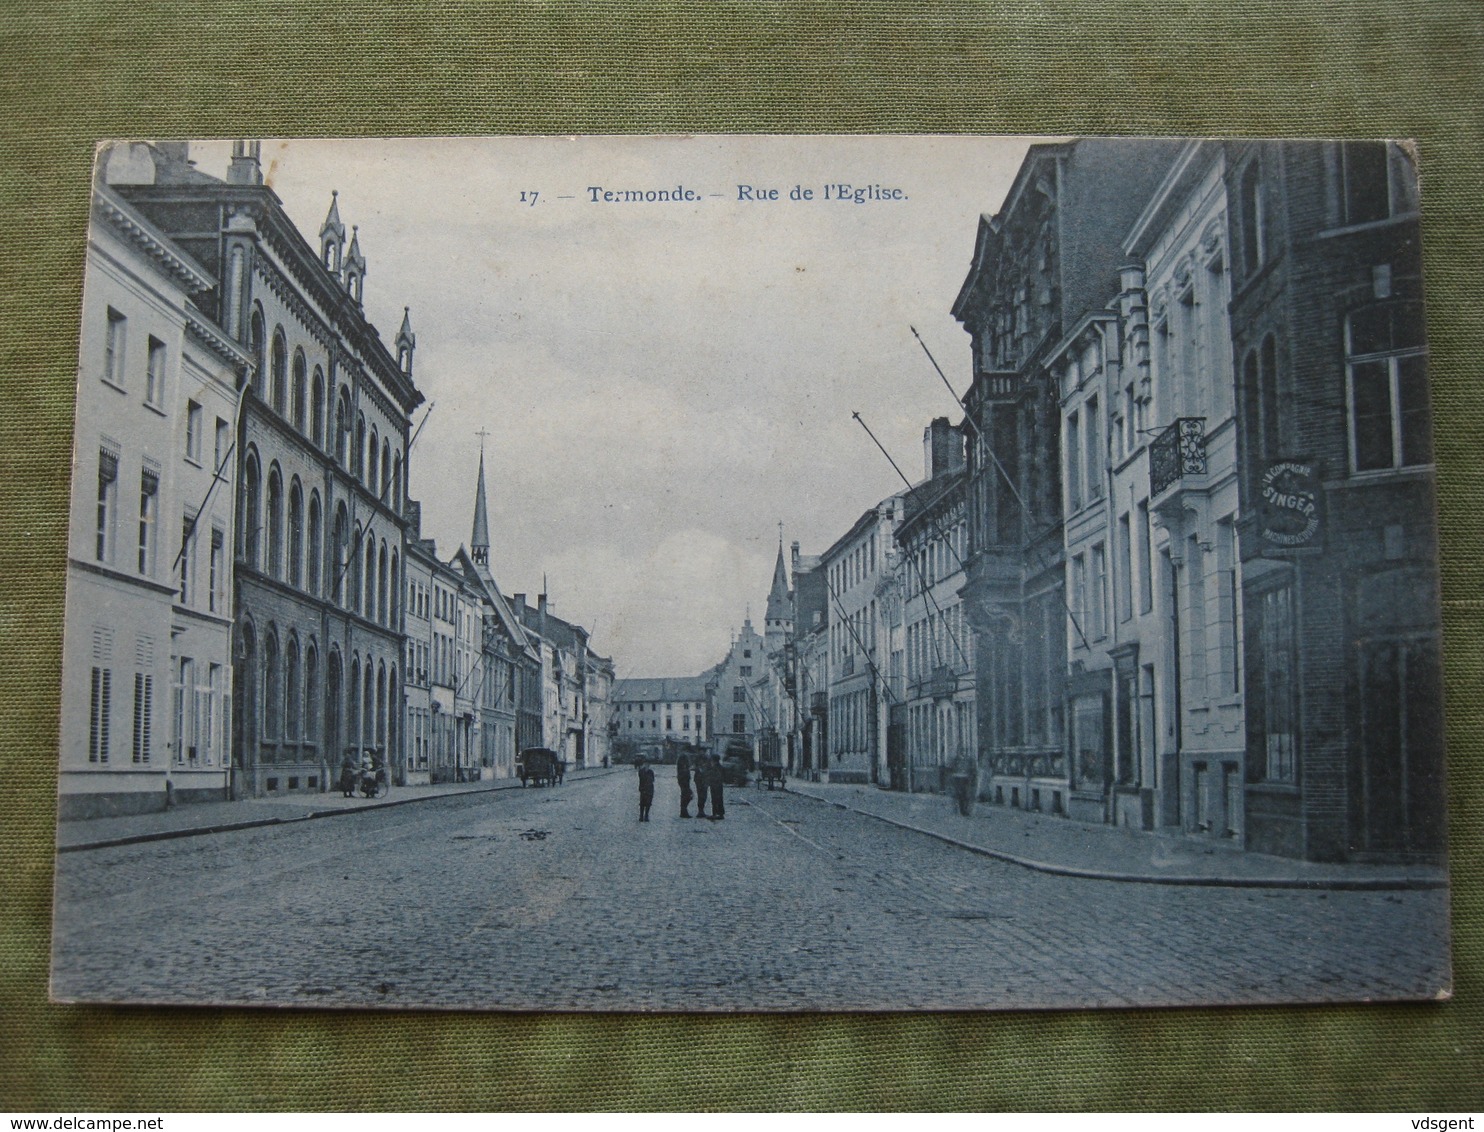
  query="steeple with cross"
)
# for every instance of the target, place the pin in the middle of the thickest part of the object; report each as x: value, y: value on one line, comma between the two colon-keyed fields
x: 479, y: 541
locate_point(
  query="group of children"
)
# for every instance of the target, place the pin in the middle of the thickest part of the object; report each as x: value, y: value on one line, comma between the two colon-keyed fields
x: 708, y: 782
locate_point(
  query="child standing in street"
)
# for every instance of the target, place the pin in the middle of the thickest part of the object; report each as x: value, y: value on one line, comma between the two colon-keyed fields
x: 646, y: 790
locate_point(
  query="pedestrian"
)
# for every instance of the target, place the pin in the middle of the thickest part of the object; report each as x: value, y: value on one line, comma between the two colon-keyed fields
x: 699, y: 772
x: 646, y: 790
x: 682, y: 778
x: 718, y: 808
x: 348, y: 775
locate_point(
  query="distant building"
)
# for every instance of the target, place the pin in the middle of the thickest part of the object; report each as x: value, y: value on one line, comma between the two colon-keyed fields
x: 147, y: 635
x: 654, y: 716
x: 420, y: 564
x: 933, y: 710
x: 858, y: 571
x: 733, y: 714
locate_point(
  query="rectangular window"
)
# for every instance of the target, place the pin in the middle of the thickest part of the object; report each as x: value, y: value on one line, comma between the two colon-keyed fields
x: 113, y: 348
x: 1146, y: 559
x: 1079, y: 593
x: 747, y: 670
x: 193, y: 432
x: 154, y: 379
x: 144, y: 691
x: 149, y: 503
x: 1390, y: 419
x: 184, y: 744
x: 1097, y: 605
x: 739, y: 724
x: 1093, y: 464
x: 1125, y: 569
x: 216, y: 596
x: 108, y: 473
x: 187, y: 559
x: 1275, y: 704
x: 1253, y: 243
x: 1226, y: 565
x: 739, y: 694
x: 100, y: 713
x: 1074, y: 464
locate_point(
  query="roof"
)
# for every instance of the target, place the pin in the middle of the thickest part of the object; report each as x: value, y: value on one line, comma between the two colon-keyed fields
x: 920, y: 501
x: 778, y: 608
x: 480, y: 576
x: 661, y: 688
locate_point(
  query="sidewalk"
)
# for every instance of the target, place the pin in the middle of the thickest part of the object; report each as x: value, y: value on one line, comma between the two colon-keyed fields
x: 1064, y: 847
x: 220, y: 817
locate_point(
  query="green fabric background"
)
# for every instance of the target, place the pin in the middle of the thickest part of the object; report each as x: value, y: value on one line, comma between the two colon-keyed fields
x: 71, y: 73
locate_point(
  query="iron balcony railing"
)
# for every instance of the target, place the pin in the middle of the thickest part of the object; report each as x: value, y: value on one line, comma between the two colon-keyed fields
x: 1178, y: 451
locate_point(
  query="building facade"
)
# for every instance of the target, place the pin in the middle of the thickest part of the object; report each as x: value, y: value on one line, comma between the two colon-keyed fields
x: 933, y: 725
x: 733, y: 715
x: 1047, y: 258
x: 147, y: 631
x: 657, y: 718
x: 1338, y: 542
x: 858, y: 572
x: 321, y: 473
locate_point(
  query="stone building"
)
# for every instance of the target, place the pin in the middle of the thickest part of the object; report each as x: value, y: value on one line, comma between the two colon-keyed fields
x: 733, y: 715
x: 1338, y: 536
x: 933, y: 722
x: 147, y: 630
x: 858, y: 573
x: 658, y: 717
x: 1048, y: 257
x: 322, y: 471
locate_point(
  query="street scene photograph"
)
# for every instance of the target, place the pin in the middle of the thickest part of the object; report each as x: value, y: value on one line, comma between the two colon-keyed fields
x: 752, y: 573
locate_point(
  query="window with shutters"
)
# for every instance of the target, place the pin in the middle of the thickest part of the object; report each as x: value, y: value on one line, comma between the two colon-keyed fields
x: 144, y: 688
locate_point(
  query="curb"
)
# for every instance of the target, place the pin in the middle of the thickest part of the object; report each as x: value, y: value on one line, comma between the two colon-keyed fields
x: 258, y: 823
x: 1337, y: 884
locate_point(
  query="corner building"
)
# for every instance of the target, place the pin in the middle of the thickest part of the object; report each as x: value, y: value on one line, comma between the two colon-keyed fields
x: 1342, y: 659
x: 321, y: 448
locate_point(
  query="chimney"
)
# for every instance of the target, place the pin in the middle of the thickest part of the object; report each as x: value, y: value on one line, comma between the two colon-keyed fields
x: 943, y: 447
x: 541, y: 604
x: 245, y: 168
x: 519, y: 601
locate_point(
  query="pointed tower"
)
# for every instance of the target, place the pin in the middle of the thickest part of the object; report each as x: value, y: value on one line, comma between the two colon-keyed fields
x: 779, y: 622
x: 405, y: 343
x: 332, y: 236
x: 355, y: 266
x: 479, y: 541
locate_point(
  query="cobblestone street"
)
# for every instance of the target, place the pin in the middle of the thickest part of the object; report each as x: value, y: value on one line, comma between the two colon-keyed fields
x: 560, y: 899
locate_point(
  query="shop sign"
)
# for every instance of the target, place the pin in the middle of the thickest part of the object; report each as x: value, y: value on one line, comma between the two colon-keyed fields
x: 1292, y: 505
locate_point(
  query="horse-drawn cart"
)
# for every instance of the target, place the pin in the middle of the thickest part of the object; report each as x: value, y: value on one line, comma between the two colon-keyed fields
x: 539, y: 766
x: 773, y: 774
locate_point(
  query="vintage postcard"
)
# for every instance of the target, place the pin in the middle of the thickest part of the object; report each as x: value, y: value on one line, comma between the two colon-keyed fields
x: 752, y: 573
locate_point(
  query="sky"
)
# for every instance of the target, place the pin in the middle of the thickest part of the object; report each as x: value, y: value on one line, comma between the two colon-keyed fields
x: 662, y: 382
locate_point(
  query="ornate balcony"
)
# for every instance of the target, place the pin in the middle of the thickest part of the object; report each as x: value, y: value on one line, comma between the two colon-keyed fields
x: 1177, y: 452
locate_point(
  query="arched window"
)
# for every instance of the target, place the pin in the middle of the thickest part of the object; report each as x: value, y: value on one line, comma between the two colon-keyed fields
x: 353, y: 561
x: 255, y: 346
x: 297, y: 394
x: 296, y: 533
x: 275, y: 523
x: 360, y: 457
x: 315, y: 547
x: 278, y: 377
x: 317, y: 409
x: 342, y: 428
x: 395, y: 502
x: 381, y: 584
x: 272, y: 688
x: 354, y: 734
x: 371, y: 463
x: 370, y: 610
x: 292, y: 713
x: 381, y: 706
x: 393, y: 717
x: 311, y: 692
x: 386, y: 474
x: 368, y: 707
x: 332, y: 707
x: 252, y: 510
x: 338, y: 561
x: 393, y: 593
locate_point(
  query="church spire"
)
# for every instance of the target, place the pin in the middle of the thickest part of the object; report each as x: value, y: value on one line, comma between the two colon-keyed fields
x: 479, y: 543
x: 779, y: 623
